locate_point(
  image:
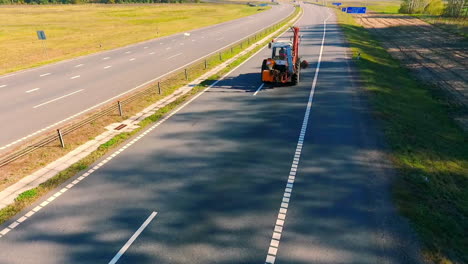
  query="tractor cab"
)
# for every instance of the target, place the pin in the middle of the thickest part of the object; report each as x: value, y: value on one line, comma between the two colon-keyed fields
x: 284, y: 64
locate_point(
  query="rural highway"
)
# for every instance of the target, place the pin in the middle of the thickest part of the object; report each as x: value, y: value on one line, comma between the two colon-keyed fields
x: 41, y: 99
x: 241, y: 174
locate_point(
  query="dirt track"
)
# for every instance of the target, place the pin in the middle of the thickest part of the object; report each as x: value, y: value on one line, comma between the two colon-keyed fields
x: 435, y: 56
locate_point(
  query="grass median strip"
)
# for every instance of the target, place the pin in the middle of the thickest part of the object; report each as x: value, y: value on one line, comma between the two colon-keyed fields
x: 428, y: 149
x: 30, y: 196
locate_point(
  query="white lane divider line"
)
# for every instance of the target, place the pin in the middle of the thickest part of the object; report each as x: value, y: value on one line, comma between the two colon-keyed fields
x: 79, y: 65
x: 173, y: 56
x: 132, y: 239
x: 132, y: 59
x: 45, y: 74
x: 151, y: 53
x: 106, y: 58
x: 168, y: 48
x: 32, y: 90
x: 116, y: 153
x: 107, y: 67
x: 145, y: 47
x: 3, y: 85
x: 275, y: 239
x: 128, y: 52
x: 74, y: 77
x: 58, y: 98
x: 259, y: 88
x: 160, y: 43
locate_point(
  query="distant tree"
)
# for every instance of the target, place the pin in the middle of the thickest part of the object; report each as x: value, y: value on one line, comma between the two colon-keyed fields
x: 456, y: 8
x: 435, y: 7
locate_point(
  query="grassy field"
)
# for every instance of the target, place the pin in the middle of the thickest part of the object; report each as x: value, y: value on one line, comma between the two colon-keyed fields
x: 74, y: 30
x: 428, y: 149
x: 454, y: 25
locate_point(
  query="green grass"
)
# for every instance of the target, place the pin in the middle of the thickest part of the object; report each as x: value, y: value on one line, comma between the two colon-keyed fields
x: 75, y: 30
x: 429, y: 150
x: 30, y: 196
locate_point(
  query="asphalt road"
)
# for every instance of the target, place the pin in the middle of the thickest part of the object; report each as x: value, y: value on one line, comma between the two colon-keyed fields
x: 216, y: 171
x: 42, y: 98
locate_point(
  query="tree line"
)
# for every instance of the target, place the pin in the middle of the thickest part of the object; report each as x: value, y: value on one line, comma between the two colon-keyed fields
x: 48, y: 2
x: 451, y: 8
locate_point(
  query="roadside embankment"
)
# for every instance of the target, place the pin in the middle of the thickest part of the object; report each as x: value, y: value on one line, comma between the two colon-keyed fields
x: 427, y: 147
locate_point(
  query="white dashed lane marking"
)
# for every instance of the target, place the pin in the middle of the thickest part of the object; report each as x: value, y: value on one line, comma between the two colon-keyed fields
x: 74, y: 77
x: 45, y: 74
x: 132, y: 239
x: 173, y: 56
x: 58, y: 98
x: 106, y: 58
x: 32, y: 90
x: 3, y: 85
x: 107, y: 67
x: 132, y: 59
x: 145, y: 47
x: 259, y: 88
x: 151, y: 53
x: 128, y: 52
x: 79, y: 65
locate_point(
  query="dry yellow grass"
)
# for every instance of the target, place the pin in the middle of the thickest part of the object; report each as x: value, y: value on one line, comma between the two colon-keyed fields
x: 74, y: 30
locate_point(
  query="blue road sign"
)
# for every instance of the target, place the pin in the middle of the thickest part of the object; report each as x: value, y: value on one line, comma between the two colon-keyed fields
x: 356, y: 10
x: 337, y: 4
x: 343, y: 9
x: 41, y: 35
x: 262, y: 4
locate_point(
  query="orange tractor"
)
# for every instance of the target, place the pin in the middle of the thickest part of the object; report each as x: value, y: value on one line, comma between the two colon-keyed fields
x: 284, y: 66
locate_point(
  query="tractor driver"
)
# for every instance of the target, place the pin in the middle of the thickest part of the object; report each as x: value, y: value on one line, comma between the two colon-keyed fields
x: 282, y: 54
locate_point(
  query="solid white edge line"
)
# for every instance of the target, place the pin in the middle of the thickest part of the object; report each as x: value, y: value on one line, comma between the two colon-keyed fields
x: 279, y: 225
x: 58, y: 98
x: 259, y: 88
x: 123, y: 93
x: 132, y: 239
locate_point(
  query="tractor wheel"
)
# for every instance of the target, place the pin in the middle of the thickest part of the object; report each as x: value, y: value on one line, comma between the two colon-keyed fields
x: 264, y: 67
x: 294, y: 79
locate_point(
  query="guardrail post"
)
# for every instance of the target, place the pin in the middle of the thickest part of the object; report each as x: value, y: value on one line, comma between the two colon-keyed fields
x: 61, y: 138
x: 206, y: 65
x: 186, y: 75
x: 159, y: 88
x: 119, y: 104
x: 220, y: 58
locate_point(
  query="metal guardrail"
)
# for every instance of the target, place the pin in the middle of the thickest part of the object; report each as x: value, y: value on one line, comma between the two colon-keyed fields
x: 156, y: 87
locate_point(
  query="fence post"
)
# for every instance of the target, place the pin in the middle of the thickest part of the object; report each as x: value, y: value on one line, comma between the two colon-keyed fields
x: 119, y: 104
x: 231, y: 50
x: 186, y: 75
x: 220, y: 58
x: 241, y: 45
x: 159, y: 88
x: 61, y: 138
x: 206, y: 65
